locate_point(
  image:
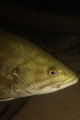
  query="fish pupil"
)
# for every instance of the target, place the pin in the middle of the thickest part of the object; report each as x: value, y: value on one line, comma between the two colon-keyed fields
x: 52, y: 73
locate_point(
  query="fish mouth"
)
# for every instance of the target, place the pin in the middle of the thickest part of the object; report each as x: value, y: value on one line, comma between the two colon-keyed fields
x: 52, y: 88
x: 71, y: 80
x: 68, y: 82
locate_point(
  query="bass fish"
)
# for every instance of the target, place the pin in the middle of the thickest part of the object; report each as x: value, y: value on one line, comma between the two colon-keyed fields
x: 26, y: 69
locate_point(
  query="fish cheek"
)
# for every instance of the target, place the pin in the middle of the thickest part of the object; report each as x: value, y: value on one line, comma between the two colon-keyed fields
x: 40, y: 72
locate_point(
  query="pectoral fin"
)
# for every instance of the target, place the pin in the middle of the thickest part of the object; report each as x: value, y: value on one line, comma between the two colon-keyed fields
x: 5, y: 88
x: 20, y: 74
x: 21, y: 83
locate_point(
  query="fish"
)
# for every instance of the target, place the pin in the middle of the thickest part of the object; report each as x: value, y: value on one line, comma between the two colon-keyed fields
x: 27, y: 70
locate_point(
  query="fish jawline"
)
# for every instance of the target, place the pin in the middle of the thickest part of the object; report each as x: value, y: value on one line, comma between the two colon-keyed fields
x: 47, y: 89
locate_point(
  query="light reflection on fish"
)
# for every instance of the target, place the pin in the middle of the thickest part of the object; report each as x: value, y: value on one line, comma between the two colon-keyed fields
x: 27, y: 70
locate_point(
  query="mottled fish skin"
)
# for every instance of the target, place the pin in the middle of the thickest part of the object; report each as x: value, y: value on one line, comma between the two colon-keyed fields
x: 27, y: 70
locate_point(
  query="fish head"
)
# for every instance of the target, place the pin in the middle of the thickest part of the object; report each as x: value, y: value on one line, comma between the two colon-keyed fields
x: 50, y: 76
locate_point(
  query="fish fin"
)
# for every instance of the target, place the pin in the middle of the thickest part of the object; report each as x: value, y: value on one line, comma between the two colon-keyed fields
x: 6, y: 99
x: 5, y: 87
x: 22, y: 83
x: 20, y: 75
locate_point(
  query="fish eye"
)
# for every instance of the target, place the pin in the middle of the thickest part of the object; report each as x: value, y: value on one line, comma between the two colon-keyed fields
x: 52, y: 72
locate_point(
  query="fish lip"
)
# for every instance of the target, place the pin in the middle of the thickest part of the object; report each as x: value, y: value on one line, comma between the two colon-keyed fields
x: 70, y: 82
x: 75, y: 79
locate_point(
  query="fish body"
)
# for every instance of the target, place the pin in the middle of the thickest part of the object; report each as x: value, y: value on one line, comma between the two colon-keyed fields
x: 26, y: 70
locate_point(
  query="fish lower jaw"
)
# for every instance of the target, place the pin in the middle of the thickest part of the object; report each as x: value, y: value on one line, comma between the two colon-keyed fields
x: 71, y: 81
x: 49, y: 89
x: 66, y: 84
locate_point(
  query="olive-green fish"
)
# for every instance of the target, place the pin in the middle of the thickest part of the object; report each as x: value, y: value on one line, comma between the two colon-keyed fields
x: 27, y: 70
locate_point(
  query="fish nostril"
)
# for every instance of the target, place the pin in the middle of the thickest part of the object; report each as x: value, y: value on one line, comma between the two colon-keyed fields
x: 60, y: 71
